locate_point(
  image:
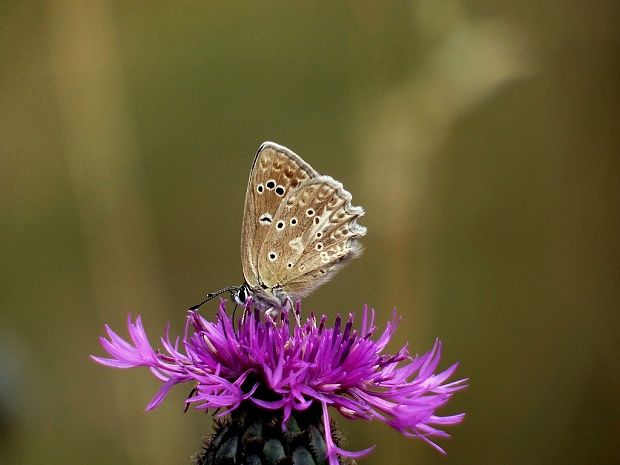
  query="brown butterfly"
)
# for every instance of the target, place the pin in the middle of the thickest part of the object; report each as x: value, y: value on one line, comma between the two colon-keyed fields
x: 299, y: 228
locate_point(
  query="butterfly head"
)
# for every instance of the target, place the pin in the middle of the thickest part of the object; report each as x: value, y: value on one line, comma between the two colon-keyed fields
x: 240, y: 295
x: 244, y: 295
x: 261, y: 298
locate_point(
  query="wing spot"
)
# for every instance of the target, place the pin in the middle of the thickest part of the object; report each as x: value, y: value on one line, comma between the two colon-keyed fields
x: 280, y: 225
x: 260, y: 188
x: 273, y: 256
x: 302, y: 268
x: 271, y: 184
x: 266, y: 219
x: 280, y: 191
x: 318, y: 246
x: 309, y: 212
x: 289, y: 265
x: 317, y: 220
x: 293, y: 221
x: 319, y: 234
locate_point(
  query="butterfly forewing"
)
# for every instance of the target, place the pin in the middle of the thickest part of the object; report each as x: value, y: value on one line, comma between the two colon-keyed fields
x: 276, y: 171
x: 314, y: 231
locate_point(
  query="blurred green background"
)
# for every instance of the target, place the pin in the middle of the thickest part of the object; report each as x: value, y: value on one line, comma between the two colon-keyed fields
x: 481, y: 137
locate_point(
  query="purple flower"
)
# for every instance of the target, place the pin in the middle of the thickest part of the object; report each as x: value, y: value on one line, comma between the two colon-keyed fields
x: 284, y: 364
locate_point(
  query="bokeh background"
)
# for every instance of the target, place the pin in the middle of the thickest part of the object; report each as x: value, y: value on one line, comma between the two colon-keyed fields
x: 480, y: 136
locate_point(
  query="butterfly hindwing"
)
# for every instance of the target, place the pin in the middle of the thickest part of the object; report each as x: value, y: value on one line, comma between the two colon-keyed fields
x: 275, y: 172
x: 313, y: 232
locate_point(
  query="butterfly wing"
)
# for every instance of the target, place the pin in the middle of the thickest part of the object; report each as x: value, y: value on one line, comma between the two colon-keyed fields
x: 313, y: 233
x: 275, y: 172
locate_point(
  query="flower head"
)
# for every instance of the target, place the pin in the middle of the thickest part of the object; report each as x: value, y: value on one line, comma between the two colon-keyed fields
x: 285, y: 364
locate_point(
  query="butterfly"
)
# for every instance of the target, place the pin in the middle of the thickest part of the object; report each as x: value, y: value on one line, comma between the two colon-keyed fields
x: 299, y: 228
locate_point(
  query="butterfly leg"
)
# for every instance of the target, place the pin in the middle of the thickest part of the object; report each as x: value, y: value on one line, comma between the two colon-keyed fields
x: 272, y: 312
x: 295, y: 310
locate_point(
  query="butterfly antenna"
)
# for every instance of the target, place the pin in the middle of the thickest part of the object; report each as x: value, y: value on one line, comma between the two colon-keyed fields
x: 213, y: 295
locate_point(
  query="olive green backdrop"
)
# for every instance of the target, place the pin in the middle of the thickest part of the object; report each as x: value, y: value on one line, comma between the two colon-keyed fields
x: 481, y: 137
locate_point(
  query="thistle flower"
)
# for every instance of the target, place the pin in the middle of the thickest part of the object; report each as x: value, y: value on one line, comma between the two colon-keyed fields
x: 285, y: 365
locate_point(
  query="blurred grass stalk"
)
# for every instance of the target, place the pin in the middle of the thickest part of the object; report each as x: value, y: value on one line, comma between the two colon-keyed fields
x: 123, y: 258
x: 471, y: 58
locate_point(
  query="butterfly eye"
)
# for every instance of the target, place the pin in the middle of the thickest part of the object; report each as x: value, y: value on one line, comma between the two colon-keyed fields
x: 260, y: 188
x: 273, y: 256
x: 280, y: 191
x: 241, y: 295
x: 271, y: 184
